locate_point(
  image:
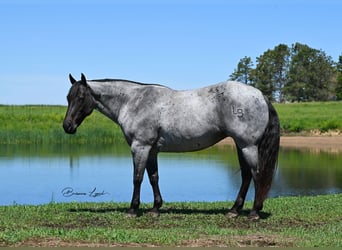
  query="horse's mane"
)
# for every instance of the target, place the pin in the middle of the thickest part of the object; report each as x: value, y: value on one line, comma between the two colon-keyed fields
x: 128, y: 81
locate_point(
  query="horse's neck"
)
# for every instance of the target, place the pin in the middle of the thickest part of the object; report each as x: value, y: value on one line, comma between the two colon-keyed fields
x: 110, y: 97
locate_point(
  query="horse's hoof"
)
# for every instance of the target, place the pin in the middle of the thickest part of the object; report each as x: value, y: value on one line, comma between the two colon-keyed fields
x: 232, y: 214
x: 131, y: 214
x: 153, y: 214
x: 253, y: 216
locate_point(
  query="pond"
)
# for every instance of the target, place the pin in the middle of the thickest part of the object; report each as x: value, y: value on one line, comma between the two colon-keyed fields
x: 42, y: 174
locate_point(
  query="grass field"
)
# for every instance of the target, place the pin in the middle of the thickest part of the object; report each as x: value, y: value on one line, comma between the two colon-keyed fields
x: 43, y: 124
x: 305, y: 117
x: 286, y: 221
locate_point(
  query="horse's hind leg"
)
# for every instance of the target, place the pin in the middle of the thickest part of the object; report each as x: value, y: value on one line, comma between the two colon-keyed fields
x: 262, y: 178
x: 262, y: 185
x: 152, y: 170
x: 246, y: 180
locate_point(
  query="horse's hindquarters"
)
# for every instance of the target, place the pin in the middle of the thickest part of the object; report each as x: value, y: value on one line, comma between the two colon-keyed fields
x: 246, y: 114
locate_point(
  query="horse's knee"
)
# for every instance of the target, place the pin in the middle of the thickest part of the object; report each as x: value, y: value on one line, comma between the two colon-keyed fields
x: 138, y: 178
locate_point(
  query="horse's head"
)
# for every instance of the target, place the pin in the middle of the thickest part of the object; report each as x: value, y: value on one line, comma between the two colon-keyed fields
x: 80, y: 104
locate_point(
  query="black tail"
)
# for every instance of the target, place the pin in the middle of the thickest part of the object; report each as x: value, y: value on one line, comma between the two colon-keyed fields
x: 268, y: 149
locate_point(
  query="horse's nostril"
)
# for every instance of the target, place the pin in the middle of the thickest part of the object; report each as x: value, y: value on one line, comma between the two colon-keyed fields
x: 68, y: 128
x: 66, y: 125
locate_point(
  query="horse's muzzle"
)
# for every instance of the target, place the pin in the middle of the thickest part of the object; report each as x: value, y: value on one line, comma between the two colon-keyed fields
x: 69, y: 127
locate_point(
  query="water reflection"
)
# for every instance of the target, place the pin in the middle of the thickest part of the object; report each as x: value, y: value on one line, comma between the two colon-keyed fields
x: 308, y: 173
x: 39, y: 174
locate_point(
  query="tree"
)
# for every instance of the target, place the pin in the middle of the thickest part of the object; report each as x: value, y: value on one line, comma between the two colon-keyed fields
x: 281, y: 64
x: 311, y: 75
x: 243, y: 72
x: 339, y: 79
x: 263, y: 75
x: 296, y: 73
x: 271, y: 72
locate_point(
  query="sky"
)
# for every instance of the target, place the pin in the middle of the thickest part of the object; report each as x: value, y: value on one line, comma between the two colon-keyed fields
x: 183, y: 44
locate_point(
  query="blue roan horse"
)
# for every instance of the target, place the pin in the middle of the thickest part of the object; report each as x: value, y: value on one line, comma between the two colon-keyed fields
x: 155, y: 118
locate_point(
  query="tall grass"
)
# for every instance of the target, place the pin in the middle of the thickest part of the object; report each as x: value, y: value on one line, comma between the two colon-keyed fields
x: 41, y: 124
x: 304, y: 117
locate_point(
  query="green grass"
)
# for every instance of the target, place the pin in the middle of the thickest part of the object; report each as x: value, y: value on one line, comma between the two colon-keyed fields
x: 304, y: 117
x: 287, y: 221
x: 43, y: 124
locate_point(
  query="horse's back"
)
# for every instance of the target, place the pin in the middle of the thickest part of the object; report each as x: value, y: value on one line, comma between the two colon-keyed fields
x: 188, y: 122
x: 195, y: 119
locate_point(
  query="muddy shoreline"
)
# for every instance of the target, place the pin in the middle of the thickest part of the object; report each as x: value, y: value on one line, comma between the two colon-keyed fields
x: 312, y: 143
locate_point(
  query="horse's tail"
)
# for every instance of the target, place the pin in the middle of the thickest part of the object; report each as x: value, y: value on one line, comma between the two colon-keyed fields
x: 268, y: 149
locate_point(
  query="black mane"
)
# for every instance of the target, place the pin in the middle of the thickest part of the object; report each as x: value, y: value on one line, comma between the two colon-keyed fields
x: 128, y: 81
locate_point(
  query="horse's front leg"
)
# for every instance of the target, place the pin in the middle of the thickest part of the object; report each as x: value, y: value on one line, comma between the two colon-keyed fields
x: 140, y: 155
x: 152, y: 170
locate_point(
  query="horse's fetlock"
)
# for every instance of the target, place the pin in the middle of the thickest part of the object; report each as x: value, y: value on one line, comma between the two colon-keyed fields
x: 158, y: 202
x: 135, y: 204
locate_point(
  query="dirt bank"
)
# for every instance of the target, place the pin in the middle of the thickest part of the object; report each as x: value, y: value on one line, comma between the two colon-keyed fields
x: 312, y: 143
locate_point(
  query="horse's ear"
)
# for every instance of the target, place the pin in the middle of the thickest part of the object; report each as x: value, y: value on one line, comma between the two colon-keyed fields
x: 83, y: 79
x: 72, y: 80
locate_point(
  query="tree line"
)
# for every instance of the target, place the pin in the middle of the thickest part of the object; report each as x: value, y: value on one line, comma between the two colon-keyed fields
x: 293, y: 74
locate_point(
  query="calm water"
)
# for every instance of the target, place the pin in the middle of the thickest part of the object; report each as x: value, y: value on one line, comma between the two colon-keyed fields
x: 43, y: 174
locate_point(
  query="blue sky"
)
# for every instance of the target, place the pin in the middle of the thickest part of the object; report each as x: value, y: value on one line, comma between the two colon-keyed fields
x: 183, y: 44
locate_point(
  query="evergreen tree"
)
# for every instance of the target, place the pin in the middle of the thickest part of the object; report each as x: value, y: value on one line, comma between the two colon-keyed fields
x: 271, y: 72
x: 310, y: 76
x: 264, y: 74
x: 243, y: 72
x: 281, y: 64
x: 339, y: 79
x: 299, y: 73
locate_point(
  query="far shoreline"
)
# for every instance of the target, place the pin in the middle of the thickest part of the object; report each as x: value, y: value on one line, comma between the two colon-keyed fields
x: 316, y: 143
